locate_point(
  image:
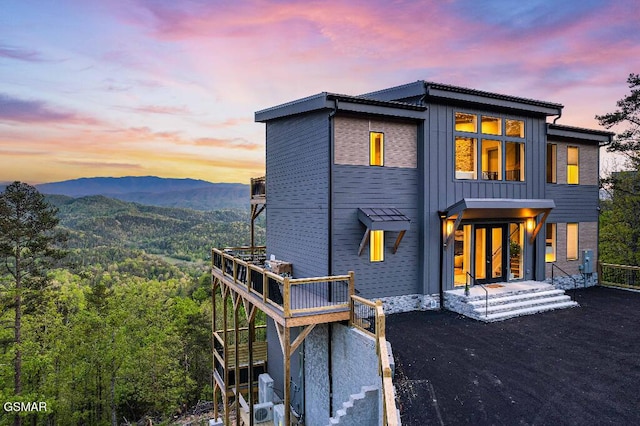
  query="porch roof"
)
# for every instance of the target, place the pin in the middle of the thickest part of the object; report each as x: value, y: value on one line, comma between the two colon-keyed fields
x: 498, y: 208
x: 384, y: 219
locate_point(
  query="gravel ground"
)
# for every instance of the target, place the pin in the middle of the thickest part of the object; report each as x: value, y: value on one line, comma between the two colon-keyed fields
x: 578, y: 366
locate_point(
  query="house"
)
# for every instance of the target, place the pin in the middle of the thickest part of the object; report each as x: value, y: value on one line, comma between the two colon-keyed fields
x: 422, y: 191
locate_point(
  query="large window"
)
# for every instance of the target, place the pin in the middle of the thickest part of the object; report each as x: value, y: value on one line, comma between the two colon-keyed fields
x: 376, y: 246
x: 499, y: 157
x: 376, y: 149
x: 552, y: 151
x: 550, y: 250
x: 572, y: 241
x: 573, y: 166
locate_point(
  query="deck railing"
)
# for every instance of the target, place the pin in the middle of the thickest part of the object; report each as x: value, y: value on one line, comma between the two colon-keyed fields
x: 610, y: 274
x: 291, y: 296
x: 368, y: 317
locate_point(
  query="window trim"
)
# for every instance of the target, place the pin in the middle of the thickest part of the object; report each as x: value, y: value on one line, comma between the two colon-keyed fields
x: 553, y: 167
x: 575, y: 243
x: 373, y: 148
x: 576, y: 165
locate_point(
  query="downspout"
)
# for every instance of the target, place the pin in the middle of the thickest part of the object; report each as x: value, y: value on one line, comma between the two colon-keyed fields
x: 330, y: 252
x: 441, y: 273
x: 558, y: 115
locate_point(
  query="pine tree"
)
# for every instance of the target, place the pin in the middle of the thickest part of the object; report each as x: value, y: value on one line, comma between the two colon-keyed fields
x: 29, y: 246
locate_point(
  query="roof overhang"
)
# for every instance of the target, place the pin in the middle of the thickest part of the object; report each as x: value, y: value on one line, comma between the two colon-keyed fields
x: 561, y: 132
x: 497, y: 208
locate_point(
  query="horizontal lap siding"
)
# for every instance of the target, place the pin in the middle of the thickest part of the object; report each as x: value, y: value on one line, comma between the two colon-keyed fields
x: 297, y: 192
x: 362, y: 186
x: 574, y: 203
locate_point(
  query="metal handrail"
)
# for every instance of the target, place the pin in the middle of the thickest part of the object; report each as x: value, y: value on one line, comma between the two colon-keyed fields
x: 575, y: 282
x: 486, y: 298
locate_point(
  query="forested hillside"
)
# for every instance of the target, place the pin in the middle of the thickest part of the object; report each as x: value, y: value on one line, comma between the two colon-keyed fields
x: 123, y: 329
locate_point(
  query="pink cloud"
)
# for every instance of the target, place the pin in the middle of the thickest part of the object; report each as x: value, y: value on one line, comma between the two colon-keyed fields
x: 30, y: 111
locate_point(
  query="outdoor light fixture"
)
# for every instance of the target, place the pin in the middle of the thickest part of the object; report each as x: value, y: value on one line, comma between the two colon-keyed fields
x: 531, y: 224
x: 449, y: 227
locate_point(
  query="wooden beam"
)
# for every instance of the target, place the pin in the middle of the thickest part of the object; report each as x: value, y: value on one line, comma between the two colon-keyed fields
x: 539, y: 226
x: 287, y: 377
x: 365, y: 240
x: 280, y: 330
x: 395, y: 246
x: 301, y: 338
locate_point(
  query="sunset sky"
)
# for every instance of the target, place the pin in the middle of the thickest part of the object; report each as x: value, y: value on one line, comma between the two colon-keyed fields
x: 169, y: 88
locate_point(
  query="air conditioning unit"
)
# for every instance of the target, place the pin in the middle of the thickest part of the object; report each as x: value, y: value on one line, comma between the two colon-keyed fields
x: 263, y: 412
x: 278, y: 415
x: 265, y: 388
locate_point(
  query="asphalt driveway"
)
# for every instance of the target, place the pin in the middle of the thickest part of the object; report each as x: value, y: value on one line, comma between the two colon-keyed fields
x: 578, y: 366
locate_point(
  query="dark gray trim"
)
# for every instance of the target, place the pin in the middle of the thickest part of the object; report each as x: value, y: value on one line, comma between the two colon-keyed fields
x: 384, y: 219
x: 584, y: 135
x: 490, y: 208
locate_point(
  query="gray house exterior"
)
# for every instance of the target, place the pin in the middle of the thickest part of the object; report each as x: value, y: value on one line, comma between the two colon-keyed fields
x: 422, y: 187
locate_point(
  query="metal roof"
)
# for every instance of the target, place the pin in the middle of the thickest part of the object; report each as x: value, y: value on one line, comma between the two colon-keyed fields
x: 384, y: 219
x: 498, y: 208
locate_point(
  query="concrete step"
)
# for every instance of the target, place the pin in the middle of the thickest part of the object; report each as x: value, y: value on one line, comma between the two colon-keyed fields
x: 501, y: 299
x: 500, y: 316
x: 524, y: 303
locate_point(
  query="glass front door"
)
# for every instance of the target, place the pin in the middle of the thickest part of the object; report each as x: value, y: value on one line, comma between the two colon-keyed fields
x: 491, y: 253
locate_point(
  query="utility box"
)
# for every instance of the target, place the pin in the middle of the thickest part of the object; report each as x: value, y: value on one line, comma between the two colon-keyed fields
x: 587, y: 262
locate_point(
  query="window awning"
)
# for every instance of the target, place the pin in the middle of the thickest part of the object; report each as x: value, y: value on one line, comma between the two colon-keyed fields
x: 383, y: 219
x: 498, y: 208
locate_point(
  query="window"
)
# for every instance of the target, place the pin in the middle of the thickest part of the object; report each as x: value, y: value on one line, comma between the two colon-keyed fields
x: 496, y: 158
x: 572, y: 241
x: 550, y: 250
x: 514, y: 128
x: 552, y: 150
x: 491, y: 125
x: 376, y: 149
x: 514, y: 162
x: 376, y: 246
x: 573, y: 168
x: 465, y: 158
x: 491, y: 160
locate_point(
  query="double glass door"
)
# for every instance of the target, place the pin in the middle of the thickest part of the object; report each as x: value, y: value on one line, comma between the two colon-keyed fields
x: 491, y: 253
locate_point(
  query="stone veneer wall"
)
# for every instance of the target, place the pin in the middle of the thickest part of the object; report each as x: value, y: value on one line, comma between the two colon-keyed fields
x: 410, y: 302
x: 564, y: 282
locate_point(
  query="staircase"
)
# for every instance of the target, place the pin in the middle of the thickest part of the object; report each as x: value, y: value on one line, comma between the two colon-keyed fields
x: 361, y: 409
x: 507, y: 300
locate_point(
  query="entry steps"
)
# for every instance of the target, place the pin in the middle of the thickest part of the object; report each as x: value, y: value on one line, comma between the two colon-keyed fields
x: 508, y: 301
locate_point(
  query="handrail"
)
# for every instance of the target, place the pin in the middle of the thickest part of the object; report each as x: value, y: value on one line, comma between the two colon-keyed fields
x: 575, y: 282
x: 486, y: 298
x: 276, y: 291
x: 375, y: 310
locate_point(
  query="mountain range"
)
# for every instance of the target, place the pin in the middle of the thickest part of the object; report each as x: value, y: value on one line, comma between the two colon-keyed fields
x: 155, y: 191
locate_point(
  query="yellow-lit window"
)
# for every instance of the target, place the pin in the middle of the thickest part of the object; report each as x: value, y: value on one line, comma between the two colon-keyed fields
x: 491, y: 160
x: 465, y: 158
x: 550, y: 250
x: 466, y: 122
x: 376, y: 246
x: 551, y: 162
x: 573, y: 166
x: 376, y: 149
x: 491, y: 125
x: 514, y: 162
x: 572, y: 241
x: 514, y: 128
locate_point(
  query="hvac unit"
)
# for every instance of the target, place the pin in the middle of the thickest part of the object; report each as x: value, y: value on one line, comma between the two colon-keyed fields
x: 278, y: 415
x: 263, y: 412
x: 265, y: 388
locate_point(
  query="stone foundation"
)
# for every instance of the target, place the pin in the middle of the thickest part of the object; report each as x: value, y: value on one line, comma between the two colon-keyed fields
x: 410, y: 302
x: 565, y: 282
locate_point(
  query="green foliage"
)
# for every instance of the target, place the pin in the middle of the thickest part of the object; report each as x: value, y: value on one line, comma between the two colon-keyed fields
x: 620, y: 221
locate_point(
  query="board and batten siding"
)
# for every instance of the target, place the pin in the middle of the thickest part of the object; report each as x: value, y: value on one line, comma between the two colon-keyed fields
x: 351, y: 145
x: 297, y: 192
x: 442, y: 189
x: 364, y: 186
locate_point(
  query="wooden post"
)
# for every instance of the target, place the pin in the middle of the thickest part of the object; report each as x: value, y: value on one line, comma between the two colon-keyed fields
x: 287, y: 298
x: 225, y: 367
x: 265, y: 286
x: 251, y: 317
x: 287, y: 375
x: 236, y: 379
x: 214, y: 297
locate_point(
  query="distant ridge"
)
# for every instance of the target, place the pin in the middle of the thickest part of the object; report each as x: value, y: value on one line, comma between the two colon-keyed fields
x: 155, y: 191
